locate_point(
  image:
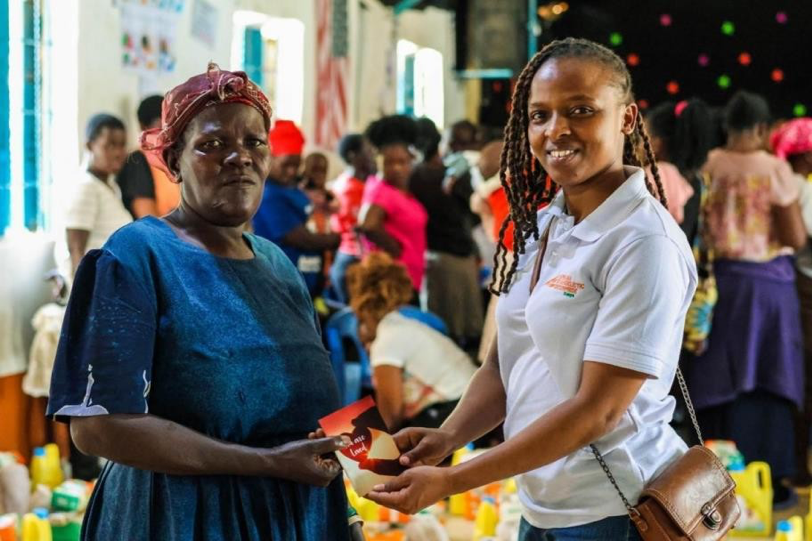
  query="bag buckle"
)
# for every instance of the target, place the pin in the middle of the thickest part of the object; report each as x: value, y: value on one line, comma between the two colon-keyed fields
x: 712, y: 518
x: 638, y: 520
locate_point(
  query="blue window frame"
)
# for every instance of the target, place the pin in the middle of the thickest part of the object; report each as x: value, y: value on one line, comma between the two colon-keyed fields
x: 5, y: 158
x: 252, y: 54
x: 32, y: 78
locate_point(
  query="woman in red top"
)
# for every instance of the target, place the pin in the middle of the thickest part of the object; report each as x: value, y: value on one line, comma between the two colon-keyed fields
x: 348, y: 189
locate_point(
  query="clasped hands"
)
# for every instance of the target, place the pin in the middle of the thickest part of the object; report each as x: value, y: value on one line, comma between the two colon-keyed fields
x: 423, y: 483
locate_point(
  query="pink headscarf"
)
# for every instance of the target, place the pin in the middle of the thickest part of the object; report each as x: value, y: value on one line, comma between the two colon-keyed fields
x: 792, y: 137
x: 186, y: 101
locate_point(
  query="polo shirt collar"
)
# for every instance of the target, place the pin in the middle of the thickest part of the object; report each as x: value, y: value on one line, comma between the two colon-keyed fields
x: 611, y: 212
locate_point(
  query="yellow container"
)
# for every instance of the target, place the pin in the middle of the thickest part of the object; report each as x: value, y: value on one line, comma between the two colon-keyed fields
x: 790, y: 530
x: 36, y: 528
x: 755, y: 491
x: 46, y: 468
x: 486, y: 520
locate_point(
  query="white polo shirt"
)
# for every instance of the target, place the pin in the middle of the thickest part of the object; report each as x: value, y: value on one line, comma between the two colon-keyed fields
x: 614, y: 289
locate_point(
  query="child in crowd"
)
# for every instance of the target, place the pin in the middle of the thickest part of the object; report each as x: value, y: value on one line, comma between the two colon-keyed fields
x: 348, y: 188
x: 94, y: 208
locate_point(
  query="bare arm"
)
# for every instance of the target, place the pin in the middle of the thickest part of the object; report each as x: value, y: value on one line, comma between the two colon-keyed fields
x: 603, y: 397
x: 152, y: 443
x: 144, y: 206
x: 789, y: 225
x: 605, y: 393
x: 304, y: 239
x: 370, y: 223
x: 388, y: 383
x: 77, y: 245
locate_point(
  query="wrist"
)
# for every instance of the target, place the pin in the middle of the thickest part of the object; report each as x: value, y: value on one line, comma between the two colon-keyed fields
x: 456, y: 482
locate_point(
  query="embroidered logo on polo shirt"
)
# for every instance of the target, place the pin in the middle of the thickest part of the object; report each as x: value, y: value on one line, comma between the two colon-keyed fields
x: 565, y: 283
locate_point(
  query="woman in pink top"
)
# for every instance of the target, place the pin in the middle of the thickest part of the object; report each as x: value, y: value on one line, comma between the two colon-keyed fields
x: 391, y: 218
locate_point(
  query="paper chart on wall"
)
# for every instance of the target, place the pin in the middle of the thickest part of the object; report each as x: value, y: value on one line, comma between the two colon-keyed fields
x: 148, y: 34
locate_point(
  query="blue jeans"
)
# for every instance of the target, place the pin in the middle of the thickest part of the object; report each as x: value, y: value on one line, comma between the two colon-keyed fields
x: 608, y: 529
x: 338, y: 275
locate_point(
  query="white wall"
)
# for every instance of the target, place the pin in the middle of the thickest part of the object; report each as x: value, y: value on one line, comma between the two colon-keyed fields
x: 104, y: 85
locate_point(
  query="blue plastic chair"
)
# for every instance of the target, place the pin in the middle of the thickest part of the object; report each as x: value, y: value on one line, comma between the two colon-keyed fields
x: 429, y: 318
x: 341, y: 328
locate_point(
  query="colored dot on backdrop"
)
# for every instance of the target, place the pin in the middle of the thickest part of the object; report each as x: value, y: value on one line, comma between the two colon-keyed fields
x: 672, y: 87
x: 703, y: 60
x: 723, y: 81
x: 728, y: 28
x: 643, y: 104
x: 745, y: 59
x: 615, y: 38
x: 633, y: 59
x: 777, y: 75
x: 799, y: 109
x: 781, y: 17
x: 665, y: 19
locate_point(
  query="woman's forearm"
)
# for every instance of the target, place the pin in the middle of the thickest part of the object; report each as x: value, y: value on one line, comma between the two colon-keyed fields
x: 565, y: 429
x: 152, y: 443
x: 482, y: 407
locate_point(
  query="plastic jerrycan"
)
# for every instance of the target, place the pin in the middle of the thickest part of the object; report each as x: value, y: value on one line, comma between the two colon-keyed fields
x: 754, y: 485
x: 790, y: 530
x: 486, y: 519
x: 36, y: 526
x: 458, y: 503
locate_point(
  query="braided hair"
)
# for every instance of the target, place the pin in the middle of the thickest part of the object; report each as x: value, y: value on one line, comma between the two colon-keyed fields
x: 525, y: 182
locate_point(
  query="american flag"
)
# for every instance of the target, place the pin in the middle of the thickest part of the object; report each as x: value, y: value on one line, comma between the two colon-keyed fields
x: 332, y: 67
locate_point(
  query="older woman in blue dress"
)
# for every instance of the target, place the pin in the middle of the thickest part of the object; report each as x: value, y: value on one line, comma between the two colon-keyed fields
x: 190, y: 356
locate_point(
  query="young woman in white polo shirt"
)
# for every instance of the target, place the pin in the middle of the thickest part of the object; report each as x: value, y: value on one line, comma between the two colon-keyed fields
x: 589, y: 354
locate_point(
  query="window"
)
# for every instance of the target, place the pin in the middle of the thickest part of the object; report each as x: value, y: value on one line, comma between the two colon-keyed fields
x: 420, y: 82
x: 265, y: 47
x: 5, y: 164
x: 21, y: 150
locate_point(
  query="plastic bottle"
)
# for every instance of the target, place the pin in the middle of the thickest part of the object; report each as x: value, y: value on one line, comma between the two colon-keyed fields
x: 54, y: 465
x: 486, y: 519
x: 457, y: 503
x: 36, y: 526
x: 790, y: 530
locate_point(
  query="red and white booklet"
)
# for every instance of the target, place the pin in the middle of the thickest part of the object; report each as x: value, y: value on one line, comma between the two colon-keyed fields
x: 372, y: 457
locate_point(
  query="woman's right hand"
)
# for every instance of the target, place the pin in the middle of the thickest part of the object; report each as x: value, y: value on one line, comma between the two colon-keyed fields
x: 423, y: 446
x: 303, y: 461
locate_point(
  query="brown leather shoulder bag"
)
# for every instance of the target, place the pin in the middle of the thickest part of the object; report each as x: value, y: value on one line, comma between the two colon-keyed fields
x: 693, y: 499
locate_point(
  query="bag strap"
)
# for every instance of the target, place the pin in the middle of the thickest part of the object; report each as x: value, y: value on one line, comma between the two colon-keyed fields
x: 540, y: 257
x: 680, y: 379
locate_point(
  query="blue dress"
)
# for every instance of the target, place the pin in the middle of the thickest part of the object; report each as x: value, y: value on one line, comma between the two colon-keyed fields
x: 227, y: 347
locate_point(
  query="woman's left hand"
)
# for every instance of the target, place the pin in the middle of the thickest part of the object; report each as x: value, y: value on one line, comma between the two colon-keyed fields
x: 414, y: 489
